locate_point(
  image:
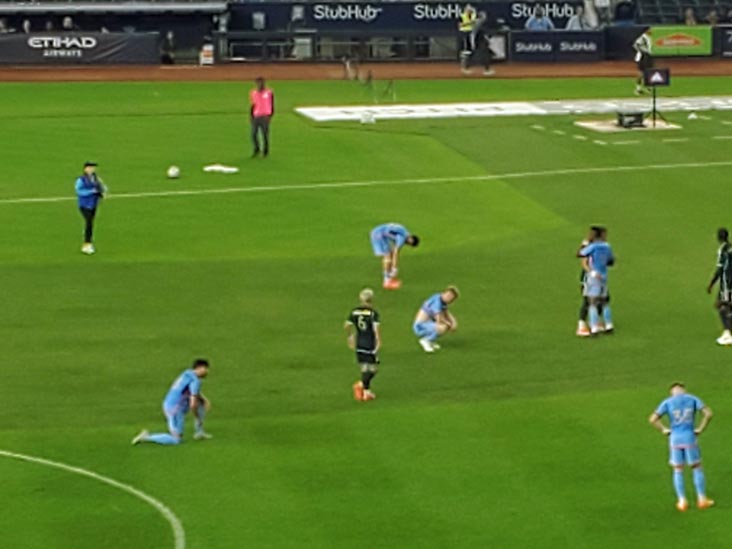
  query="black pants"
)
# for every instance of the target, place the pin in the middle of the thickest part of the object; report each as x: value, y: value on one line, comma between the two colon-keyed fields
x: 260, y: 123
x: 88, y: 215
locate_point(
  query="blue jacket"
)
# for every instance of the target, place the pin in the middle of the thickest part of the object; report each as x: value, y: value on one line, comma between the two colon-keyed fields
x: 89, y: 190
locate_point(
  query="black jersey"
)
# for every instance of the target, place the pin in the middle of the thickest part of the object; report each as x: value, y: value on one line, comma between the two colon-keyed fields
x: 365, y: 319
x: 724, y: 266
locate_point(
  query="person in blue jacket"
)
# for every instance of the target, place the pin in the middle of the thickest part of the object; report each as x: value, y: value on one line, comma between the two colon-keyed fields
x: 89, y: 190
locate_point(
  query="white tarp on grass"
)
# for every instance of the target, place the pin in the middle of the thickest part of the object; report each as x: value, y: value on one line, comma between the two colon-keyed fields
x: 517, y: 108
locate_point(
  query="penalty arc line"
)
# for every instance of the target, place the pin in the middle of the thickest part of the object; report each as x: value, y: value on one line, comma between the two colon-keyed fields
x: 381, y: 182
x: 179, y: 535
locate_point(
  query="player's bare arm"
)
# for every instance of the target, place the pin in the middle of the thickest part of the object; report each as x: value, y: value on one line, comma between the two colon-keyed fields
x: 350, y: 337
x: 377, y: 335
x: 706, y: 418
x: 655, y: 421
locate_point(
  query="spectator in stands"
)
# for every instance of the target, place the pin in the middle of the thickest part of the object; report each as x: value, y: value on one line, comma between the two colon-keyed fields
x: 26, y: 26
x: 67, y: 24
x: 712, y: 18
x: 4, y: 26
x: 539, y: 21
x: 603, y: 12
x: 579, y: 21
x: 689, y: 17
x: 167, y: 50
x: 729, y: 16
x: 48, y: 27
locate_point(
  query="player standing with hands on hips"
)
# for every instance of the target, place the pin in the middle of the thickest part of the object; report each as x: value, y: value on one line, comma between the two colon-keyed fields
x: 262, y: 110
x: 681, y: 409
x: 89, y: 191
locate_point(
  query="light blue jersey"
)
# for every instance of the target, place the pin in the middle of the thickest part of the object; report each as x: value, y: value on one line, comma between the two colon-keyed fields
x: 388, y: 236
x: 681, y: 411
x: 600, y: 255
x: 186, y: 385
x: 433, y: 306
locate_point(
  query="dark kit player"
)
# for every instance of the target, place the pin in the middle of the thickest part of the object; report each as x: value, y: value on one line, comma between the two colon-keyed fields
x: 643, y: 47
x: 366, y: 341
x: 261, y: 112
x: 723, y: 274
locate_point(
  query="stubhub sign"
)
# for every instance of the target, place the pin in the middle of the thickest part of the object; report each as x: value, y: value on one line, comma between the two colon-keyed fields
x: 557, y: 46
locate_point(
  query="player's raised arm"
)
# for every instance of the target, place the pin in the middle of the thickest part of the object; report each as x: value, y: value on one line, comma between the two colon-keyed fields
x: 707, y: 415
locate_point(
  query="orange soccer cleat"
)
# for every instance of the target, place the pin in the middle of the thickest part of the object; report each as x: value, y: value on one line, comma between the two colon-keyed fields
x: 392, y: 284
x: 358, y: 391
x: 682, y: 505
x: 704, y: 503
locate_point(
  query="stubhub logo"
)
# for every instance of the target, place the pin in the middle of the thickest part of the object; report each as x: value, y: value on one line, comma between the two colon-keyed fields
x: 436, y: 12
x: 366, y: 13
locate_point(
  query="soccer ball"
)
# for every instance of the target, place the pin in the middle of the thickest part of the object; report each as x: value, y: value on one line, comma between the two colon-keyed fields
x: 173, y: 172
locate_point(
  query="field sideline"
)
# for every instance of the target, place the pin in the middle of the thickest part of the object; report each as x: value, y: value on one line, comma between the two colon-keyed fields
x: 517, y: 434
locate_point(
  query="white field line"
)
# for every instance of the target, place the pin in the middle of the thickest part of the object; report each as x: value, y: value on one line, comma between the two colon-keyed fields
x: 559, y: 132
x: 722, y: 137
x: 599, y: 142
x: 579, y: 137
x: 179, y: 535
x: 538, y: 127
x: 631, y: 142
x: 675, y: 140
x: 382, y: 182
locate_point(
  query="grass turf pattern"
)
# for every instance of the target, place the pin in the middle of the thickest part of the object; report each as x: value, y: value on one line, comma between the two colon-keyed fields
x: 516, y: 434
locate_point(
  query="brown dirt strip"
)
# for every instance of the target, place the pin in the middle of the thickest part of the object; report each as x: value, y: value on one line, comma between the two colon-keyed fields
x: 320, y: 71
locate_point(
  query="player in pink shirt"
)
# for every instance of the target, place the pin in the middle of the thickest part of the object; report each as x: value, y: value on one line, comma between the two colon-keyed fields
x: 262, y: 109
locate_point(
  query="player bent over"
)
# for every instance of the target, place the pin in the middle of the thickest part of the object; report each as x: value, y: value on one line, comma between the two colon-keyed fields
x: 366, y: 341
x: 597, y: 256
x: 183, y: 396
x: 387, y: 240
x: 433, y: 319
x: 681, y: 408
x: 723, y: 274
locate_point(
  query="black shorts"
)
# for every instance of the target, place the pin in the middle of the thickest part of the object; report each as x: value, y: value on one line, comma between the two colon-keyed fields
x: 366, y: 358
x: 645, y: 63
x: 725, y: 294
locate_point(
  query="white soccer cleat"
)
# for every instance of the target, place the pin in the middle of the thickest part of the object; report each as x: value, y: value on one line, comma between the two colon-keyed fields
x: 725, y: 339
x: 141, y: 437
x: 427, y: 345
x: 87, y: 249
x: 436, y: 346
x: 368, y: 395
x: 202, y: 435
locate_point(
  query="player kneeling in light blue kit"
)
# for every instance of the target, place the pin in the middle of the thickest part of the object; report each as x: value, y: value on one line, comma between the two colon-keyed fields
x: 681, y: 409
x: 183, y: 396
x: 433, y: 319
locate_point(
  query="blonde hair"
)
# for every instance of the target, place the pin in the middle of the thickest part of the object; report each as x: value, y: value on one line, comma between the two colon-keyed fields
x: 366, y: 295
x: 453, y: 289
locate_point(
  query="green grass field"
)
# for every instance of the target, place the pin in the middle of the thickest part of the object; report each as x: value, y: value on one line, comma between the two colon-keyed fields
x: 516, y: 435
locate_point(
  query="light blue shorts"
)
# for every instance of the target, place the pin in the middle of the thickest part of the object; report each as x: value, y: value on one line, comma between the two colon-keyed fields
x: 426, y: 329
x: 684, y: 455
x: 595, y: 286
x: 379, y: 243
x: 176, y: 420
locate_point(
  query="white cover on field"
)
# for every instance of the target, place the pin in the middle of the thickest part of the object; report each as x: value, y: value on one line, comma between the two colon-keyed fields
x: 220, y: 168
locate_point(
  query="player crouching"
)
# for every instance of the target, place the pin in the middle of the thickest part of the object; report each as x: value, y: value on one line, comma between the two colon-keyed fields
x: 433, y: 319
x: 366, y: 341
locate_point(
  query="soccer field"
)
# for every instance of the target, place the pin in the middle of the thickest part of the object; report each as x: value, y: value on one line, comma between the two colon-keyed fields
x: 516, y: 434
